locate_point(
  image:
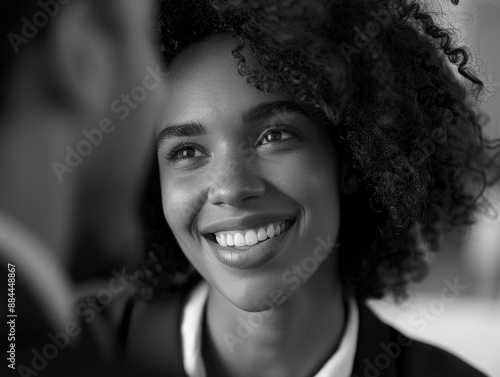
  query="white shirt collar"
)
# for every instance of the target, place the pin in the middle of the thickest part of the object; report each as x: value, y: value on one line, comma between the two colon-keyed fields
x: 340, y: 364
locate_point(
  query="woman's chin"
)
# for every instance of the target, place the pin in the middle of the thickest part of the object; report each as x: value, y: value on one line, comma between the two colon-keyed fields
x: 252, y: 298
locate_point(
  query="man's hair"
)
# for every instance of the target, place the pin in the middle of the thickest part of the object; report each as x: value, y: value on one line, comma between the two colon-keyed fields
x: 380, y: 75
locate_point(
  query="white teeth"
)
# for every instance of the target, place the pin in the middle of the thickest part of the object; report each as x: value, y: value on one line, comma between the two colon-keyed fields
x: 251, y: 236
x: 262, y: 235
x: 239, y: 240
x: 278, y: 230
x: 222, y: 240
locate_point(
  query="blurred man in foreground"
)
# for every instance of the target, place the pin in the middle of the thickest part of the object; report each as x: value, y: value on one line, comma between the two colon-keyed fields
x: 80, y: 85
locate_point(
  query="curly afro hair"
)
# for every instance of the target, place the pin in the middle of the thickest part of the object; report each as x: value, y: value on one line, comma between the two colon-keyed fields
x: 400, y: 100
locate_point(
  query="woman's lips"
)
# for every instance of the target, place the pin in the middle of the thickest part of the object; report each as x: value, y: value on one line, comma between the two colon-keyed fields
x: 249, y: 256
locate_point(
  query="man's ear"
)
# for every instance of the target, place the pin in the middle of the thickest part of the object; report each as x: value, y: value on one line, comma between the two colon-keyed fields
x: 349, y: 182
x: 82, y: 57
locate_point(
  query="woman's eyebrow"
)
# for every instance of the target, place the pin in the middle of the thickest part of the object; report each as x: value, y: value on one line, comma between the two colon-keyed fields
x: 180, y: 130
x: 273, y: 108
x: 258, y: 112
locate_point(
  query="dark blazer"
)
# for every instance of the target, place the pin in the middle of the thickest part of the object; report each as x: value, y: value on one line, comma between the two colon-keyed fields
x: 149, y: 340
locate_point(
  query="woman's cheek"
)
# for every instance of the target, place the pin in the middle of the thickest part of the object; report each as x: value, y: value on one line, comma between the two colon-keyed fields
x: 175, y: 202
x: 182, y: 202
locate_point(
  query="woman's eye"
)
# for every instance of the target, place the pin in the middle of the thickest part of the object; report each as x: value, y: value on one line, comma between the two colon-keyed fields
x: 185, y: 152
x: 273, y: 136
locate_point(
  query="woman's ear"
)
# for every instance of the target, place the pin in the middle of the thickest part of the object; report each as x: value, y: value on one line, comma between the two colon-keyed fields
x: 349, y: 181
x: 82, y: 57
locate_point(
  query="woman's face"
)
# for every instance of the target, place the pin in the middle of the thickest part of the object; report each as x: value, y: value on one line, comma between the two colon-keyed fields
x: 249, y: 180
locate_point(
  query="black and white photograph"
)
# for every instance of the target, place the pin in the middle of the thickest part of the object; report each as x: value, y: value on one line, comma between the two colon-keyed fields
x: 259, y: 188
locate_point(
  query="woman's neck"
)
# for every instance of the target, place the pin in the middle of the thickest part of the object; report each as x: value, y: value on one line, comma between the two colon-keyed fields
x: 295, y: 339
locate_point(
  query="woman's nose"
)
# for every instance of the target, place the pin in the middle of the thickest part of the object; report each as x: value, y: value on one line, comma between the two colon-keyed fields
x: 234, y: 182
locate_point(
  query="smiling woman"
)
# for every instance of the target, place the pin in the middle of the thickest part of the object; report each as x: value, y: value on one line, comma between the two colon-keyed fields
x: 264, y: 189
x: 301, y: 168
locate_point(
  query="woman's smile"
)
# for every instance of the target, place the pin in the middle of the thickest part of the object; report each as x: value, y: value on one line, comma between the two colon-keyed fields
x: 247, y: 242
x: 249, y: 180
x: 250, y: 237
x: 245, y: 255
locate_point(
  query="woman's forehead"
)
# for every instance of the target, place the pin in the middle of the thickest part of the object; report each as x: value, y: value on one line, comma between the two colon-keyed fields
x: 212, y: 56
x: 204, y: 82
